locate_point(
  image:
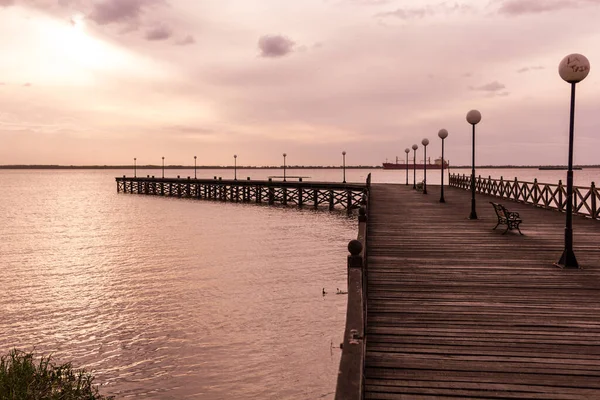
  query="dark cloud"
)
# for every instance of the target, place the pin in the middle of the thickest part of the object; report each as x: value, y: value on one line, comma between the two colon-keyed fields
x: 426, y: 11
x: 6, y: 3
x: 117, y: 11
x: 521, y: 7
x: 189, y: 39
x: 161, y: 32
x: 490, y: 87
x: 275, y: 46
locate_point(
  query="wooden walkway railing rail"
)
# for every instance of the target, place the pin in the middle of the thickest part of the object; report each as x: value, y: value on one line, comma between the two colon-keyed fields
x: 586, y: 200
x: 350, y: 383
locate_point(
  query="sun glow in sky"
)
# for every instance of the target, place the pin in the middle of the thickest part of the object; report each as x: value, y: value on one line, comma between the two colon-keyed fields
x: 101, y: 82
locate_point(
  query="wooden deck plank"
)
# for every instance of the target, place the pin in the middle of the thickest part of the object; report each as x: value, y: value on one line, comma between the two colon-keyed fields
x: 458, y: 310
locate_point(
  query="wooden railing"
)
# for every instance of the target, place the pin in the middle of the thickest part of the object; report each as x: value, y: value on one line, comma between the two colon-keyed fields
x: 586, y: 200
x: 346, y: 196
x: 350, y: 383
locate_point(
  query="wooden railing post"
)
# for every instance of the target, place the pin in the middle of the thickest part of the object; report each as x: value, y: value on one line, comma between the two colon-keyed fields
x: 331, y: 200
x: 300, y: 195
x: 271, y: 194
x: 593, y: 203
x: 560, y: 195
x: 349, y: 202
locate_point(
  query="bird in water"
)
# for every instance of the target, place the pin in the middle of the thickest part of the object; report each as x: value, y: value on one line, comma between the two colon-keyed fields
x: 324, y: 292
x: 341, y: 291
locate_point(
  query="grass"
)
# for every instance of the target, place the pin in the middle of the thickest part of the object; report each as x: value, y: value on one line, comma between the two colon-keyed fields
x: 24, y: 378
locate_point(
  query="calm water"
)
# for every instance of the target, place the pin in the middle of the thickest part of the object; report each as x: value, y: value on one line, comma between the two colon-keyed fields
x: 173, y: 298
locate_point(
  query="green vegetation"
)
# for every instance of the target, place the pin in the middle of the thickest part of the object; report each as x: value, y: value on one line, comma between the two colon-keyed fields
x: 22, y: 378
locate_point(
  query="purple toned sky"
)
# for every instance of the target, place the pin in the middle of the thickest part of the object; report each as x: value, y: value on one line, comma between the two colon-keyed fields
x: 101, y: 82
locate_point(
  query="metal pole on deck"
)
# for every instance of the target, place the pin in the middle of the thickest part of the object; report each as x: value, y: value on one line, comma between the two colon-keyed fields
x: 573, y: 69
x: 425, y: 142
x: 407, y: 150
x: 473, y: 118
x: 415, y: 147
x: 443, y: 134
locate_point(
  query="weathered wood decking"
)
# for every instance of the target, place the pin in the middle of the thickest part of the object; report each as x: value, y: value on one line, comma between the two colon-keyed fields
x: 458, y: 310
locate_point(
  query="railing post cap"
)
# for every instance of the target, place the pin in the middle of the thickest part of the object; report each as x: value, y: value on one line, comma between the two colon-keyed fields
x: 355, y: 247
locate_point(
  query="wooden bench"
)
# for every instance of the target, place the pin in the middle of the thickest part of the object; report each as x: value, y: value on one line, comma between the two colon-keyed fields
x: 505, y: 217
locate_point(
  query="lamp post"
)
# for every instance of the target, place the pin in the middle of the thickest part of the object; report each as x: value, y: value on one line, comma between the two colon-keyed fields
x: 163, y: 167
x: 134, y: 167
x: 425, y: 142
x: 573, y: 68
x: 407, y: 150
x: 473, y: 117
x: 443, y: 134
x: 344, y: 164
x: 195, y: 176
x: 235, y: 167
x: 415, y: 147
x: 284, y: 156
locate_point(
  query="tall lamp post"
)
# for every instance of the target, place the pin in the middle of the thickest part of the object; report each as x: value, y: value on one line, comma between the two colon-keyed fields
x: 573, y: 69
x: 235, y: 167
x: 284, y: 156
x: 415, y: 147
x: 163, y: 167
x: 344, y: 164
x: 473, y: 117
x: 407, y: 150
x: 195, y: 176
x: 443, y: 134
x: 425, y: 142
x: 134, y: 167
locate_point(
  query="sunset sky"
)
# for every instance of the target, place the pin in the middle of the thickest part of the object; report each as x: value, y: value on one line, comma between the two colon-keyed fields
x: 103, y: 81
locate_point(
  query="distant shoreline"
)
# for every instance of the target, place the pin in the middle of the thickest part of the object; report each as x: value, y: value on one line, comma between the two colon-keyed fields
x: 141, y: 167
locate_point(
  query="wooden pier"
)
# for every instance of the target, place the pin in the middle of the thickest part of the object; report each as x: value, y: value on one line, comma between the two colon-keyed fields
x: 455, y: 309
x: 344, y: 196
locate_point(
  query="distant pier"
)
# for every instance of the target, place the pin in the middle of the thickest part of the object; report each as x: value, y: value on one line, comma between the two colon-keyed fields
x: 292, y: 192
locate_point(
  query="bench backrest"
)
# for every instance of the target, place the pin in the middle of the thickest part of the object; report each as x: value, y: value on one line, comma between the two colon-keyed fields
x: 500, y: 210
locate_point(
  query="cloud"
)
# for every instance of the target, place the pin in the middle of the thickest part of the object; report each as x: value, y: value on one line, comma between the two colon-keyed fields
x: 275, y: 46
x: 406, y: 14
x: 521, y: 7
x: 161, y: 32
x: 525, y: 69
x: 28, y: 84
x: 117, y: 11
x: 6, y: 3
x: 367, y: 2
x: 490, y: 87
x: 189, y: 39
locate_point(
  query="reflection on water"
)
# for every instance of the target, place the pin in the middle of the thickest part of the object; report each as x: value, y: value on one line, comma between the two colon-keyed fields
x: 170, y: 298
